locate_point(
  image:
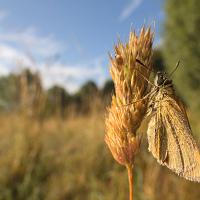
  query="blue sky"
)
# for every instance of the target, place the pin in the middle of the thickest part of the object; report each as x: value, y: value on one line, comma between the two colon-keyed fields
x: 68, y: 41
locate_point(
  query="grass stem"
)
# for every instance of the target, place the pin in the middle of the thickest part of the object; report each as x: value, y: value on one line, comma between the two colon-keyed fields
x: 131, y: 181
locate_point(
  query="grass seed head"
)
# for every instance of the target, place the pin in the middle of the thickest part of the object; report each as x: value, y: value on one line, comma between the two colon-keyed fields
x: 124, y: 117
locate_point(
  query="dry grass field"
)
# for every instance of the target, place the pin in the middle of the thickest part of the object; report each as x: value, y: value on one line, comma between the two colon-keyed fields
x: 68, y: 160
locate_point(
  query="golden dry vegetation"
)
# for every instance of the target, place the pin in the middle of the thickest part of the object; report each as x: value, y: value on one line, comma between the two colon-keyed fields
x: 67, y: 159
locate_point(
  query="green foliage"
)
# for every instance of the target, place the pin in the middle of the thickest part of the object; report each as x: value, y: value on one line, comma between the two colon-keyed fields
x: 158, y: 60
x: 107, y: 91
x: 57, y: 101
x: 8, y: 95
x: 88, y: 89
x: 85, y: 97
x: 24, y: 93
x: 182, y: 42
x: 108, y: 88
x: 30, y: 76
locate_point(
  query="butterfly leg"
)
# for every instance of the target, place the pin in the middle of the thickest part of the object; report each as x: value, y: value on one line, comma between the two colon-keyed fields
x: 143, y: 98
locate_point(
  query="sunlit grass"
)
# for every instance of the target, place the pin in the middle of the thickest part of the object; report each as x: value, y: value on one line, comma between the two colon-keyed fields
x: 68, y: 160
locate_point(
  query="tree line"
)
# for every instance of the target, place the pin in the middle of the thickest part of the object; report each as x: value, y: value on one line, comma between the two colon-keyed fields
x: 24, y: 93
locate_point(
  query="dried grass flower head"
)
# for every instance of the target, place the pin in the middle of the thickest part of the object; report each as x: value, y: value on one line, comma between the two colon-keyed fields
x: 127, y: 110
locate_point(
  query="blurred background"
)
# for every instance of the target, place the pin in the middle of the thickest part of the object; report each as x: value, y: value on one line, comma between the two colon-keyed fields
x: 55, y: 87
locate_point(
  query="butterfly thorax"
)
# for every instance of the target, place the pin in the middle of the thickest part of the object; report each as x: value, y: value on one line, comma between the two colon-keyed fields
x: 162, y: 80
x: 162, y: 90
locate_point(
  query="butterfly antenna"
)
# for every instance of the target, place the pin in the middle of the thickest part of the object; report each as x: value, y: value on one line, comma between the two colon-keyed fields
x: 176, y: 67
x: 141, y: 63
x: 140, y: 73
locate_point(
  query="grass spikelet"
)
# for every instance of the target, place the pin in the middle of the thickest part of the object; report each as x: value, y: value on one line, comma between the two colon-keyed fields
x: 127, y: 109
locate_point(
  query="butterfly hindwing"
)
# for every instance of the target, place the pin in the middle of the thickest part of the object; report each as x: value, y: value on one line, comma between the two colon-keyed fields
x: 169, y: 133
x: 157, y: 138
x: 170, y: 138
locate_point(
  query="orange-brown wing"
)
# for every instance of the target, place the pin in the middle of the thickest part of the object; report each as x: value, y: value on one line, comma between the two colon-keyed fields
x: 170, y: 139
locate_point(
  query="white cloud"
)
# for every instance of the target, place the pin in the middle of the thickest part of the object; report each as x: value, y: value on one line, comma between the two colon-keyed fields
x: 31, y: 42
x: 129, y: 9
x: 26, y: 48
x: 10, y: 55
x: 4, y: 70
x: 70, y: 76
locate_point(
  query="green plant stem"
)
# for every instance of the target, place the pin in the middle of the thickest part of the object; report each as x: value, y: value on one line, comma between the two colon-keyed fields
x: 130, y: 180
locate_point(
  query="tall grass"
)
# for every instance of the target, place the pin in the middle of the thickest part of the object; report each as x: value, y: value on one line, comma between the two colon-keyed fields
x: 68, y: 160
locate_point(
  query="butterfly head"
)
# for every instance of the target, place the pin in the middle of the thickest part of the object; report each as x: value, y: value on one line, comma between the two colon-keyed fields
x: 162, y: 79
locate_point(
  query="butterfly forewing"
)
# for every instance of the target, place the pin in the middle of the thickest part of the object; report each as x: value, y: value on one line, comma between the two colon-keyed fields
x: 169, y: 134
x: 170, y: 137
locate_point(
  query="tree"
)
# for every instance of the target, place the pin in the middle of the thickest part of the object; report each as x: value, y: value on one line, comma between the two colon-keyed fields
x: 108, y: 88
x: 182, y: 42
x: 57, y: 100
x: 107, y: 91
x: 88, y: 89
x: 86, y: 98
x: 158, y: 60
x: 9, y: 96
x: 31, y: 94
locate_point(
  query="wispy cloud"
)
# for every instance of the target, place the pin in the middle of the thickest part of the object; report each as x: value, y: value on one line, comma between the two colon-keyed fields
x: 27, y: 49
x: 32, y: 42
x: 74, y: 75
x: 129, y: 9
x: 70, y: 76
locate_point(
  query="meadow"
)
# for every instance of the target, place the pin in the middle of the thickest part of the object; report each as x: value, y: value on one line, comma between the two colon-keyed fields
x: 67, y: 159
x: 52, y: 147
x: 52, y: 141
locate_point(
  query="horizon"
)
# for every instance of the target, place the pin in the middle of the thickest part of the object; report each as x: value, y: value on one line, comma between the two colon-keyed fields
x: 68, y: 42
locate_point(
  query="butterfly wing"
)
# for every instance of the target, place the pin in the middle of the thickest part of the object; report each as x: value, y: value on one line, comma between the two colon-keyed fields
x: 170, y: 139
